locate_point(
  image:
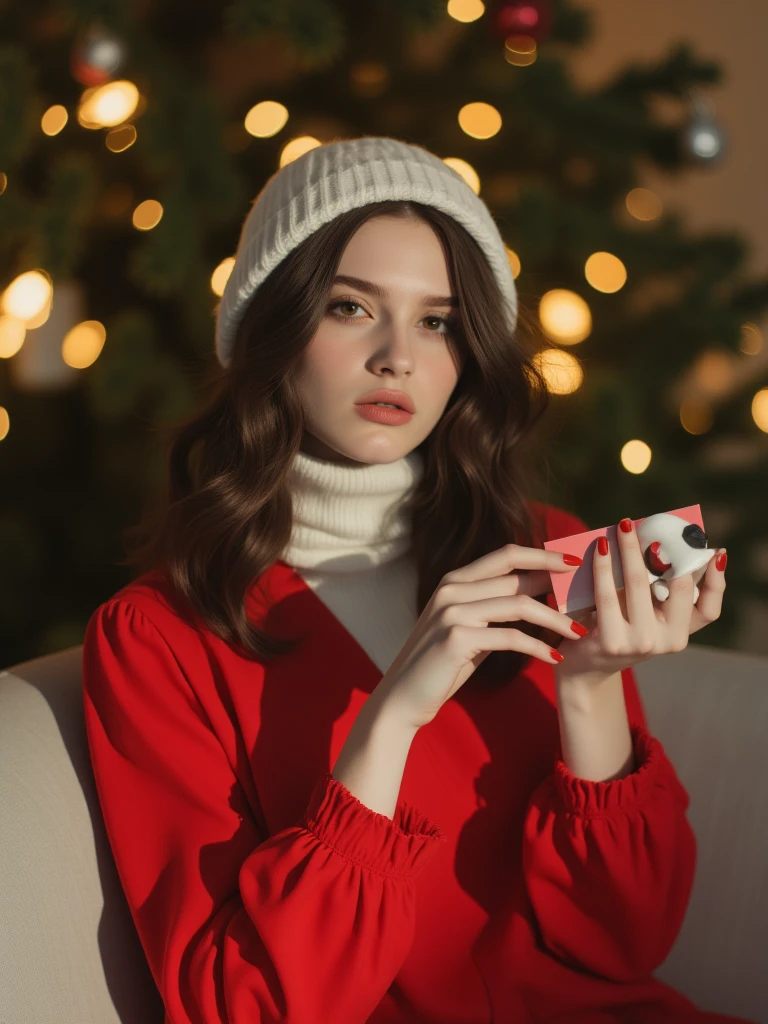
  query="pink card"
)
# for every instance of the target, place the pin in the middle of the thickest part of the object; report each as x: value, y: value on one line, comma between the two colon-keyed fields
x: 574, y: 589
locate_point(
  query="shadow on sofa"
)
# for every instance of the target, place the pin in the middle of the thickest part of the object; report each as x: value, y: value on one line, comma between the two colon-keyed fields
x: 70, y: 953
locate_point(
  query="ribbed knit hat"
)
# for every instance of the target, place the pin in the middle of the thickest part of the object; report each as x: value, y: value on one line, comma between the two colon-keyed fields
x: 330, y: 179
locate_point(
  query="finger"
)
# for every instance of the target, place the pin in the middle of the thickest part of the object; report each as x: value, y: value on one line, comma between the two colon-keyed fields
x: 609, y: 616
x: 523, y: 609
x: 510, y: 558
x: 537, y: 582
x: 637, y: 586
x: 711, y: 590
x: 678, y: 607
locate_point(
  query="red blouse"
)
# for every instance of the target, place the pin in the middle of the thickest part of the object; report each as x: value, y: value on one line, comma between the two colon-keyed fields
x: 506, y: 890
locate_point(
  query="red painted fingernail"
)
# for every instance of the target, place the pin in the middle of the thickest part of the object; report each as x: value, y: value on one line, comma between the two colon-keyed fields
x: 626, y: 525
x: 578, y: 628
x: 602, y: 545
x: 721, y: 560
x: 572, y: 560
x: 556, y: 654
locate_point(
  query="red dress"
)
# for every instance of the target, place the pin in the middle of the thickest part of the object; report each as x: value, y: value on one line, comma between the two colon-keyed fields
x: 505, y: 891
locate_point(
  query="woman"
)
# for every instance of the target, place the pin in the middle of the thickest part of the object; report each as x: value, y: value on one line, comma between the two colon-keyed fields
x: 332, y: 793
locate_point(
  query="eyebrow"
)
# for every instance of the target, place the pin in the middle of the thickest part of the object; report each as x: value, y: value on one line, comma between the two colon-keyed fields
x: 382, y: 293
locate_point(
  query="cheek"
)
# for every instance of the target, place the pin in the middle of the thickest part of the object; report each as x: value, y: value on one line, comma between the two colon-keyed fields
x: 444, y: 371
x: 324, y: 360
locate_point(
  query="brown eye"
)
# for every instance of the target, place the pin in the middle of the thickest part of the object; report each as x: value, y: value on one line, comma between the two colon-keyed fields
x: 345, y: 302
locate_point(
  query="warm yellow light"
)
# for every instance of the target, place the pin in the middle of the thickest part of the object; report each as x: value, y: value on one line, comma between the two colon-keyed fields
x: 54, y: 119
x: 561, y: 371
x: 220, y: 276
x: 120, y: 138
x: 467, y: 171
x: 40, y: 318
x: 266, y: 119
x: 298, y: 147
x: 635, y: 457
x: 147, y: 215
x: 465, y: 10
x: 12, y: 334
x: 27, y: 295
x: 713, y: 372
x: 565, y: 316
x: 520, y: 50
x: 644, y: 204
x: 695, y: 416
x: 5, y: 423
x: 480, y: 120
x: 3, y: 182
x: 605, y: 272
x: 520, y: 44
x: 107, y: 105
x: 514, y: 261
x: 760, y: 410
x: 83, y: 343
x: 751, y: 339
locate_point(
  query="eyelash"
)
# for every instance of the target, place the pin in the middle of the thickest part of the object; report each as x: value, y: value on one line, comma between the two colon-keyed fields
x: 451, y: 323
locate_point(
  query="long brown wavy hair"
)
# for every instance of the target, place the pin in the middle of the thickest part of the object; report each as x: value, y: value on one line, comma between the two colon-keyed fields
x: 225, y: 513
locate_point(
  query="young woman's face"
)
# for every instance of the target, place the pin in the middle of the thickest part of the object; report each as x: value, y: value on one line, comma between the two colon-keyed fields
x: 399, y: 341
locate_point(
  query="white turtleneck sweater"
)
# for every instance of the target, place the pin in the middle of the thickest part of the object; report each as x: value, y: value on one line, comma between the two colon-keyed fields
x: 351, y: 545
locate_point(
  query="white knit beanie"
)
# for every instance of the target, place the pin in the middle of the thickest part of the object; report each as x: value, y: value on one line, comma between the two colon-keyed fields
x: 331, y: 179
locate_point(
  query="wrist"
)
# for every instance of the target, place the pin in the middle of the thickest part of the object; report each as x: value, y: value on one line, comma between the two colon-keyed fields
x: 385, y: 713
x: 580, y: 688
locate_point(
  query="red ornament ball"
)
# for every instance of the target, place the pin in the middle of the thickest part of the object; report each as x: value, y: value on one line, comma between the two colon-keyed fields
x: 524, y: 18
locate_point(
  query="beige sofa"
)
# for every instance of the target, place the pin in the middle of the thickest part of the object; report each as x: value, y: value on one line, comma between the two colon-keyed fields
x: 69, y: 953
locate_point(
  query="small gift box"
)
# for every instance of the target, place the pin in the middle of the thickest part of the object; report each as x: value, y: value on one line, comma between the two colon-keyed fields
x: 673, y: 544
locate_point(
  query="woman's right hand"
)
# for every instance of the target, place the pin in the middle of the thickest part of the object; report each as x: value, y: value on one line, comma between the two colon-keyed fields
x: 451, y: 638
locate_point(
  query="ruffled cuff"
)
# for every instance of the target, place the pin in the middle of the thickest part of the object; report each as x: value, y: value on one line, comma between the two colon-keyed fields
x: 394, y: 847
x: 587, y: 798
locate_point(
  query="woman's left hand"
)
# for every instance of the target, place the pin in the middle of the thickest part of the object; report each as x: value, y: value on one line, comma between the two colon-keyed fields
x: 631, y: 625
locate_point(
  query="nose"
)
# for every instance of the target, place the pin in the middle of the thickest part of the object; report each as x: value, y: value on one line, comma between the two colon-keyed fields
x: 394, y: 349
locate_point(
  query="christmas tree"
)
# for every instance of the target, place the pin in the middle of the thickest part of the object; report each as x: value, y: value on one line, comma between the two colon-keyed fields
x: 133, y: 137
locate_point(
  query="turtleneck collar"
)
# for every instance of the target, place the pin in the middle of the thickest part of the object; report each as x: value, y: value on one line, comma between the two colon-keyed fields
x: 346, y: 517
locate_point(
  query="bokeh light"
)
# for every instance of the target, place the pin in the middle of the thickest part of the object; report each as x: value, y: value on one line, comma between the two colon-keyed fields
x: 107, y: 105
x: 54, y: 119
x: 514, y: 261
x: 644, y: 204
x: 565, y: 317
x: 27, y: 295
x: 83, y: 343
x: 467, y: 171
x: 120, y: 138
x: 147, y: 215
x: 760, y: 410
x: 605, y: 272
x: 480, y: 120
x: 220, y: 276
x: 298, y: 147
x: 12, y: 334
x: 561, y: 370
x: 266, y: 119
x: 635, y: 456
x: 465, y: 10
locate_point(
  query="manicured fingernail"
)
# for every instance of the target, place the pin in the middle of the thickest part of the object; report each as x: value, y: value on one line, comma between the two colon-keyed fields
x: 602, y: 545
x: 572, y: 560
x: 556, y: 654
x: 578, y: 628
x: 626, y: 525
x: 721, y: 560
